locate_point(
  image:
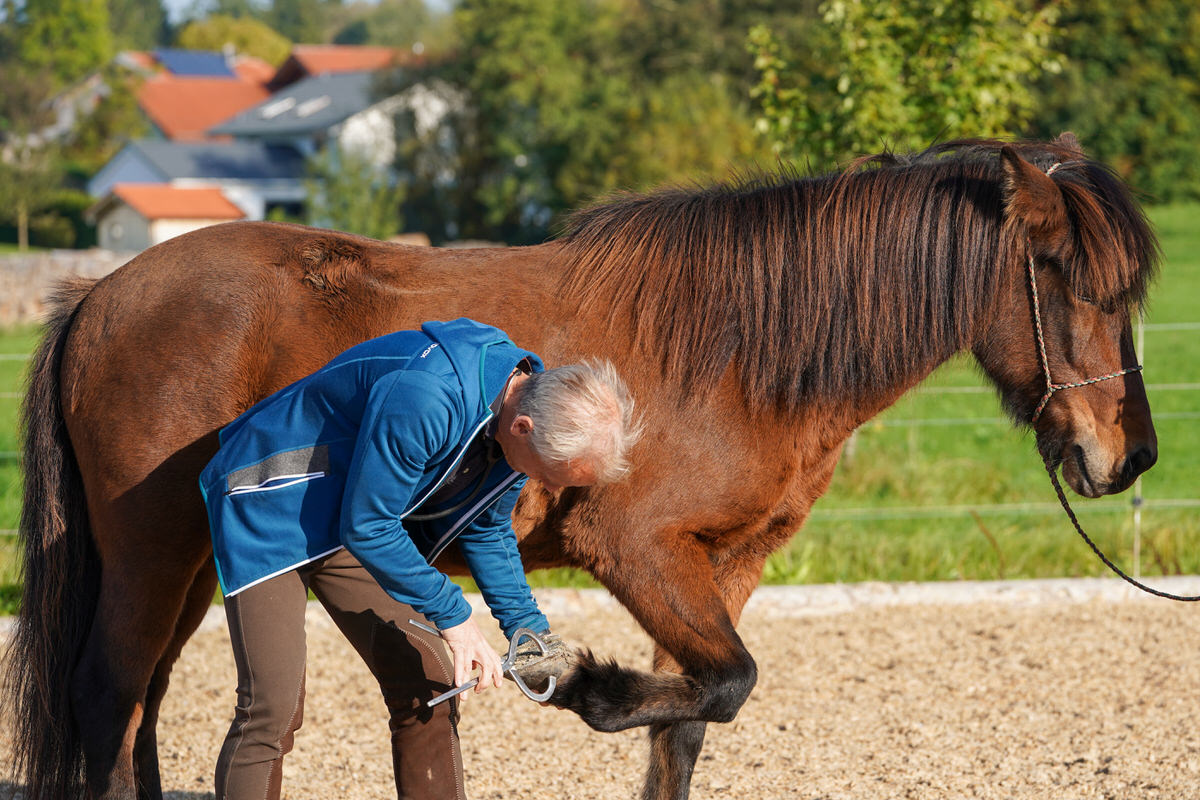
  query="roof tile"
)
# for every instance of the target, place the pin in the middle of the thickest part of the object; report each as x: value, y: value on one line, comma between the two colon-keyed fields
x: 185, y: 108
x: 160, y: 201
x: 322, y: 58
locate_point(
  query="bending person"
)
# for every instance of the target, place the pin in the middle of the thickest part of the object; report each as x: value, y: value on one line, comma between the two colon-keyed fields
x: 350, y: 483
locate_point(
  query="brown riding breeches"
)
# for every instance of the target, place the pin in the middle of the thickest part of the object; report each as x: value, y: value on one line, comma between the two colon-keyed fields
x: 266, y: 627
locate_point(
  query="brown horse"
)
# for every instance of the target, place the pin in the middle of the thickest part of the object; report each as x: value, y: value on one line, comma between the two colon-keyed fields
x: 757, y: 324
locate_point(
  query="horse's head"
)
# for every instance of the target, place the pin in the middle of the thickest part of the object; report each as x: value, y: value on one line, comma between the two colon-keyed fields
x: 1080, y: 245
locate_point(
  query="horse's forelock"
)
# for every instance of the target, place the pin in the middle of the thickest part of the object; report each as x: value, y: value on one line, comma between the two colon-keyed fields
x: 1113, y: 253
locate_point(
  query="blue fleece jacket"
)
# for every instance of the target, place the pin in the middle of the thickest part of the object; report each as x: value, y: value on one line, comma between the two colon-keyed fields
x: 341, y: 457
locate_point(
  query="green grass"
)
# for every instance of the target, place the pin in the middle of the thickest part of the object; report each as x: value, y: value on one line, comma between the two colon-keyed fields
x: 905, y: 476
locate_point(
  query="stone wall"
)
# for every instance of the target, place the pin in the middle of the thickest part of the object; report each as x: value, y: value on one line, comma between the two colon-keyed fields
x: 27, y: 279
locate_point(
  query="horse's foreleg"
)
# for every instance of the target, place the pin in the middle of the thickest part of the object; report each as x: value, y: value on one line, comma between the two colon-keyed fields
x: 669, y: 588
x: 674, y: 747
x: 145, y: 750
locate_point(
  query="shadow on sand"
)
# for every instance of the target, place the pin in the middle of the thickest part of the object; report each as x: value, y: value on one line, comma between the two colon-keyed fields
x: 16, y: 791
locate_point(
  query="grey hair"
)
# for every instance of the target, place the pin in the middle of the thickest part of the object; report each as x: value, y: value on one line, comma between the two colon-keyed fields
x: 582, y: 411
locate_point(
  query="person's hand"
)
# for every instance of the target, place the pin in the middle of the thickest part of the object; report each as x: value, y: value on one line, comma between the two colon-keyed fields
x: 470, y: 650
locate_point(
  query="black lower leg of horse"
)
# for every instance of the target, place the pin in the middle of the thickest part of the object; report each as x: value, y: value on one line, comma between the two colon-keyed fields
x: 105, y: 700
x: 682, y: 610
x: 674, y: 749
x: 110, y: 684
x: 145, y: 750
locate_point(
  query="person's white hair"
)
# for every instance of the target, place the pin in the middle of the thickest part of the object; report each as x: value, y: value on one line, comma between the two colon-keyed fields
x: 581, y: 412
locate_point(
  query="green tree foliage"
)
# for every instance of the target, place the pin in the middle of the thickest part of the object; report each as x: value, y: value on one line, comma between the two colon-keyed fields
x: 563, y: 101
x: 28, y: 171
x: 391, y: 23
x: 301, y: 21
x: 137, y: 24
x: 349, y: 193
x: 29, y: 178
x: 65, y: 39
x: 248, y: 36
x: 901, y: 74
x: 1131, y: 90
x: 98, y: 136
x: 236, y: 8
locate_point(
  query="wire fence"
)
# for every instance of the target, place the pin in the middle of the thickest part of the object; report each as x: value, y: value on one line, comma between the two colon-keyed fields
x: 1136, y: 505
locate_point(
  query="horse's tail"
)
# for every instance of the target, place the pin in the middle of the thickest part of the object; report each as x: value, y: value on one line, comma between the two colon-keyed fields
x: 61, y: 575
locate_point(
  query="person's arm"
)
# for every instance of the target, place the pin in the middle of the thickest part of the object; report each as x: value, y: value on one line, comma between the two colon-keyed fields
x: 489, y: 546
x: 408, y: 424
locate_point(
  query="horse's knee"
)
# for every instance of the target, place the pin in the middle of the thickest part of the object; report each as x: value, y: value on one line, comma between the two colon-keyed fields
x: 726, y: 689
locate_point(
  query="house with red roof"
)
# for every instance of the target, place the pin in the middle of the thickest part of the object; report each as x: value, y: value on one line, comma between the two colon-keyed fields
x: 222, y: 133
x: 311, y: 60
x: 186, y: 92
x: 183, y: 108
x: 132, y: 217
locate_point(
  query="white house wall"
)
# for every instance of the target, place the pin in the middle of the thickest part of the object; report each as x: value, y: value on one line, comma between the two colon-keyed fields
x: 163, y: 229
x: 252, y: 197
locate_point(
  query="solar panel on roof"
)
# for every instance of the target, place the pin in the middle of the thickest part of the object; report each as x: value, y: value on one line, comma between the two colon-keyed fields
x: 195, y: 63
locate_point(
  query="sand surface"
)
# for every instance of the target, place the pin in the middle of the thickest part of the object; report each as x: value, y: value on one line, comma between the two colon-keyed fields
x: 1049, y: 689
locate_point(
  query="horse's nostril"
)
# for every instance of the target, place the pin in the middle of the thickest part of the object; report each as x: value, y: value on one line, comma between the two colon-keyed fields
x: 1141, y: 459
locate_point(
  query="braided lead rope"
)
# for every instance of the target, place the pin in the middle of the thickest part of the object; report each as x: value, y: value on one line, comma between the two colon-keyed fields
x: 1051, y: 386
x: 1062, y: 498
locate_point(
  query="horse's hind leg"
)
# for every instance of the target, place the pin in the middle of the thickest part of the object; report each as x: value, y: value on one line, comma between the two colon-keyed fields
x: 145, y: 749
x: 135, y: 621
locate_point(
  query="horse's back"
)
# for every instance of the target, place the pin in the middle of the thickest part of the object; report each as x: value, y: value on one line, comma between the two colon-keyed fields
x: 188, y: 334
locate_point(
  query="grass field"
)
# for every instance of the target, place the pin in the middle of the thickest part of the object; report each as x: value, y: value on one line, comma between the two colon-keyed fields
x: 958, y: 495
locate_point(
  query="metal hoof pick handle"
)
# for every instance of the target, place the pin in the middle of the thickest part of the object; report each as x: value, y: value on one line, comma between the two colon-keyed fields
x: 506, y: 666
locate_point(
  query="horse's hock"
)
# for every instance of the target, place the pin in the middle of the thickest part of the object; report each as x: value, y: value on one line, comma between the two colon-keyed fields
x: 26, y: 279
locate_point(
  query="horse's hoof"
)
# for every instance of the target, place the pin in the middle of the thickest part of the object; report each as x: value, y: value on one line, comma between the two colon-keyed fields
x: 536, y: 668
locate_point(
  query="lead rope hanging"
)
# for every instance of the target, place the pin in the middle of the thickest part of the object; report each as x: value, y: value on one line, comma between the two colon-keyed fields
x: 1051, y: 388
x: 1062, y: 498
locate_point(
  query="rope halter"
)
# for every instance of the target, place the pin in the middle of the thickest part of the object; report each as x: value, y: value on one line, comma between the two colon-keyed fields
x: 1051, y: 386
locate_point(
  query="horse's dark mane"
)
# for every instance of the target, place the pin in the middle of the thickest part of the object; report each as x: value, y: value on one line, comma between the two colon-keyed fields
x: 828, y: 286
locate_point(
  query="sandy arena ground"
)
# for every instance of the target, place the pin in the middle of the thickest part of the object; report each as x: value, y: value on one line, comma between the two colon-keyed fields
x: 1050, y: 689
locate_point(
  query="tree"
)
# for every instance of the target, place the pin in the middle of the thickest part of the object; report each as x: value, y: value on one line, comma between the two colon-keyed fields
x: 29, y: 177
x: 65, y: 39
x: 877, y: 73
x: 247, y: 35
x: 98, y: 135
x: 1130, y: 90
x: 347, y: 192
x: 392, y: 23
x: 299, y: 20
x: 555, y: 105
x: 28, y: 172
x: 137, y: 24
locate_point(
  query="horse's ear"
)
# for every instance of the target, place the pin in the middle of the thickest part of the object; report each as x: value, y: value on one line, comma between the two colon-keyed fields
x: 1067, y: 140
x: 1033, y: 201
